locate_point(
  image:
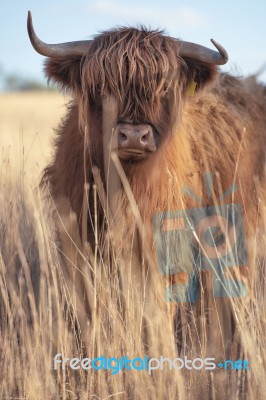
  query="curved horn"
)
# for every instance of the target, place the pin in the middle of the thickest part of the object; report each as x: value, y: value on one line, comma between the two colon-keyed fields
x: 204, y: 54
x: 56, y: 50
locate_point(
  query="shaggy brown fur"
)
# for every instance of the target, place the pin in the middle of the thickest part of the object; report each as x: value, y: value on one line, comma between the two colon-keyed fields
x: 225, y: 123
x: 221, y: 129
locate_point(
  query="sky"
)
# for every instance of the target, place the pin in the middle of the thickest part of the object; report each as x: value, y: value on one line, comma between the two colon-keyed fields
x: 239, y: 25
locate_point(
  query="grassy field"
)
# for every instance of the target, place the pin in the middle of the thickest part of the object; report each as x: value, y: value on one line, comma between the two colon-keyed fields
x: 40, y: 318
x: 26, y: 123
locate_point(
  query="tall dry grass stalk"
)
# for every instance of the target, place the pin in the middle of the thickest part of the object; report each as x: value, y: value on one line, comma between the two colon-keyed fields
x: 41, y: 314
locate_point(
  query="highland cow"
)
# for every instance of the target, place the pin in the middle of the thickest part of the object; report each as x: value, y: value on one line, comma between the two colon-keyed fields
x: 150, y: 116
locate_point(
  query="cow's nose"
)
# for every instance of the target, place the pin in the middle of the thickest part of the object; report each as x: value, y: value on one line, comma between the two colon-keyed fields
x: 135, y: 138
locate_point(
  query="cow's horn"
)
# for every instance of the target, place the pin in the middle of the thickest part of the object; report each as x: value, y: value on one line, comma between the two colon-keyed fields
x: 201, y: 53
x: 56, y: 50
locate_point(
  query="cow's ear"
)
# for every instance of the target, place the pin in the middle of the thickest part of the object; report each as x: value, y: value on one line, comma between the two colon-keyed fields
x: 199, y: 74
x: 64, y: 72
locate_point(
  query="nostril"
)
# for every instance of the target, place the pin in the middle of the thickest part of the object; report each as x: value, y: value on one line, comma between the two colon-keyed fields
x: 145, y: 138
x: 122, y: 137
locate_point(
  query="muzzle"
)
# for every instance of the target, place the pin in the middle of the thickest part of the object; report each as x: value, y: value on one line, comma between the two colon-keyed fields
x: 135, y: 141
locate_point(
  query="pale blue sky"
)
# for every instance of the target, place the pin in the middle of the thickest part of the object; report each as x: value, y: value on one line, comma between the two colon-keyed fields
x: 239, y: 26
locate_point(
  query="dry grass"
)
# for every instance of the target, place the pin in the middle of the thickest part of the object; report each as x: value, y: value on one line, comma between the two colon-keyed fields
x: 40, y: 317
x: 26, y: 122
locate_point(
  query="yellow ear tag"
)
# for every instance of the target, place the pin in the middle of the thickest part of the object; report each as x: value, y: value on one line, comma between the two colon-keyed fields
x: 192, y: 88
